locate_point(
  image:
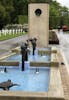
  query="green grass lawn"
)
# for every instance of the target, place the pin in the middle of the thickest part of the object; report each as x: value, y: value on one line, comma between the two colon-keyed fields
x: 3, y: 37
x: 10, y: 36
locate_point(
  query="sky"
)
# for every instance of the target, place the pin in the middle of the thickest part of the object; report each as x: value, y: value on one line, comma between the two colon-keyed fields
x: 64, y: 2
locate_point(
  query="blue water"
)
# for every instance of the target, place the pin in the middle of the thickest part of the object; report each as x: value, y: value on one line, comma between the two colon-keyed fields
x: 36, y: 58
x: 14, y: 58
x: 28, y: 80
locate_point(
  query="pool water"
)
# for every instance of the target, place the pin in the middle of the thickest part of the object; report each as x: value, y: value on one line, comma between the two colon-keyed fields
x: 28, y: 80
x: 36, y: 58
x: 31, y: 79
x: 14, y: 58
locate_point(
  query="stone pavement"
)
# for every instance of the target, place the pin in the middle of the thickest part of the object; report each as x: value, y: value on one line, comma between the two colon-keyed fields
x: 64, y: 43
x: 64, y: 57
x: 64, y: 46
x: 7, y: 45
x: 64, y: 77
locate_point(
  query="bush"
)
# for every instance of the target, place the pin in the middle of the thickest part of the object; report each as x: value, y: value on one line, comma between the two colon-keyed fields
x: 22, y: 19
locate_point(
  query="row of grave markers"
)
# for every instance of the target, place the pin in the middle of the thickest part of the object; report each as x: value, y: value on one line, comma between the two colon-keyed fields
x: 11, y: 31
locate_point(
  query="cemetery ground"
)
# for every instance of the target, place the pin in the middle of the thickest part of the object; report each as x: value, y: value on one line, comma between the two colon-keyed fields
x: 10, y: 36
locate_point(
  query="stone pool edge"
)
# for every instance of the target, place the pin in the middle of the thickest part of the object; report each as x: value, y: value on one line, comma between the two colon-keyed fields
x: 55, y: 91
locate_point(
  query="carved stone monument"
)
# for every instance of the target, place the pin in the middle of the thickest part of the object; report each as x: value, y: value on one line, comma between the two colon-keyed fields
x: 38, y: 14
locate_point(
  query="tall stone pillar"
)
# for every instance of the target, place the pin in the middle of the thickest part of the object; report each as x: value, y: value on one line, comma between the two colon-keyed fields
x: 38, y: 17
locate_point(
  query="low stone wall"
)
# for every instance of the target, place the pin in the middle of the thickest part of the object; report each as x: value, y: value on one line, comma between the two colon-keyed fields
x: 54, y: 57
x: 6, y: 56
x: 40, y: 64
x: 40, y: 52
x: 16, y: 50
x: 9, y: 63
x: 53, y: 49
x: 47, y: 52
x: 3, y: 62
x: 54, y: 60
x: 44, y: 52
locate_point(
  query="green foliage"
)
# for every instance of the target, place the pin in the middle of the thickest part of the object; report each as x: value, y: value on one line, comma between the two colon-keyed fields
x: 23, y: 19
x: 21, y: 7
x: 58, y: 15
x: 15, y: 11
x: 40, y: 1
x: 2, y: 16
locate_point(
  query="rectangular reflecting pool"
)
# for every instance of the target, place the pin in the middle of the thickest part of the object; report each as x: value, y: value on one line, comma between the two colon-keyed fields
x: 29, y: 80
x: 38, y: 81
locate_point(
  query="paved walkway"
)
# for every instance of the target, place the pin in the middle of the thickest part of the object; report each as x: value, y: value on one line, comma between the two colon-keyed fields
x: 64, y: 77
x: 64, y: 71
x: 7, y: 45
x: 64, y: 46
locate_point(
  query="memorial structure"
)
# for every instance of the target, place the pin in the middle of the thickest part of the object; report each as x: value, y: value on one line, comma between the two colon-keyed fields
x: 38, y: 18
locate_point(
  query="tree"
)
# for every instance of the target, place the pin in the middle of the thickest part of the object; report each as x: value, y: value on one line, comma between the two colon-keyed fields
x: 2, y: 16
x: 21, y: 6
x: 10, y: 10
x: 40, y: 1
x: 58, y: 15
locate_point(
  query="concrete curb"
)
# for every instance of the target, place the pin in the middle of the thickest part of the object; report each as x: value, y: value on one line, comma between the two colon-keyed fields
x: 65, y: 61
